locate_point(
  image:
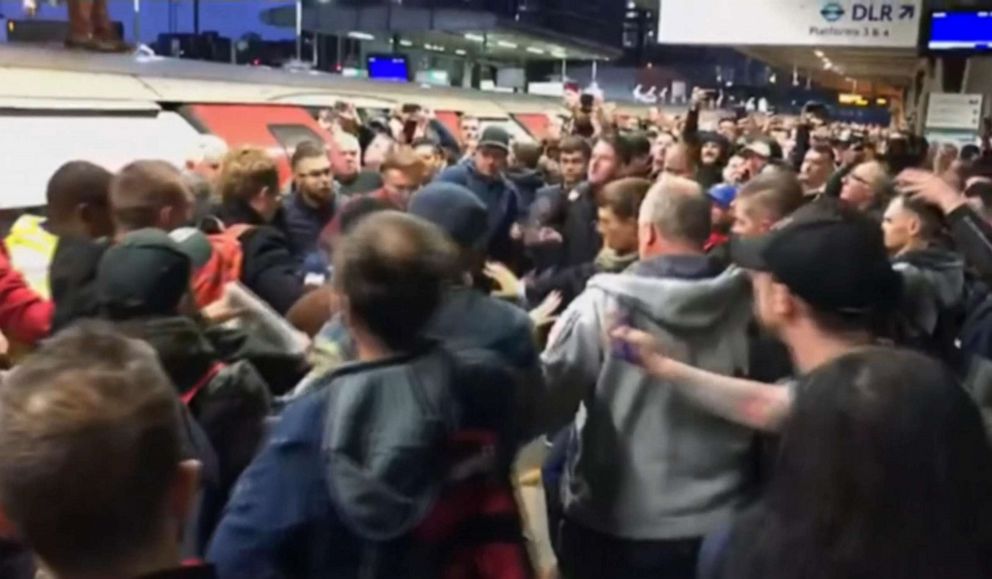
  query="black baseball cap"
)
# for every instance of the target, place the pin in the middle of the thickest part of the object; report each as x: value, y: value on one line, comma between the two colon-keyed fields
x: 496, y: 137
x: 146, y: 274
x: 831, y: 257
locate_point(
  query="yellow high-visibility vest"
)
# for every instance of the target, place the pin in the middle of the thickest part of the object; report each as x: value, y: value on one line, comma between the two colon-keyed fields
x: 31, y: 248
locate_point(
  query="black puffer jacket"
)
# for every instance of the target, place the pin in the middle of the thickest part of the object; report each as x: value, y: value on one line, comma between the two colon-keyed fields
x: 573, y: 214
x: 269, y: 268
x: 229, y: 401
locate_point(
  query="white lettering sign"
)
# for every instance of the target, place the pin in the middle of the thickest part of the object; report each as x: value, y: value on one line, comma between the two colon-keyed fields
x: 871, y: 23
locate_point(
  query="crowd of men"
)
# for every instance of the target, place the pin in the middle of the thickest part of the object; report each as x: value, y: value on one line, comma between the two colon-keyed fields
x: 758, y: 351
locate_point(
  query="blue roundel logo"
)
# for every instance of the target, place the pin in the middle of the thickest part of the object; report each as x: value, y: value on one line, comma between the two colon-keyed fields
x: 832, y: 11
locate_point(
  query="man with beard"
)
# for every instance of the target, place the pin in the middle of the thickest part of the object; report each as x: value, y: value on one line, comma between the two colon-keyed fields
x: 484, y: 173
x: 313, y: 202
x: 721, y: 214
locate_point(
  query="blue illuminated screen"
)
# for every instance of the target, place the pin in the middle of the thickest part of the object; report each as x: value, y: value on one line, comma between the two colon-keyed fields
x: 961, y: 31
x: 389, y: 67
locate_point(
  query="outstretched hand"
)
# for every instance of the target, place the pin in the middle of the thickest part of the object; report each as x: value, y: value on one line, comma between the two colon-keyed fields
x: 507, y: 284
x: 544, y: 314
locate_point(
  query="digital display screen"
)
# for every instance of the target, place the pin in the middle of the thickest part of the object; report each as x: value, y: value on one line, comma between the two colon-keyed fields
x: 388, y: 67
x: 961, y: 31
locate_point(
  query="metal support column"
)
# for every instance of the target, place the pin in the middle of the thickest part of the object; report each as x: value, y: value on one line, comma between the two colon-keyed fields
x: 299, y: 30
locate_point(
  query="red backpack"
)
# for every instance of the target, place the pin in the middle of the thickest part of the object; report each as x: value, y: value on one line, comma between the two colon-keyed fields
x: 224, y: 266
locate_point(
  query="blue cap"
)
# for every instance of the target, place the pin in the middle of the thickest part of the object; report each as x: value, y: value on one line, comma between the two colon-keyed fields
x: 723, y: 194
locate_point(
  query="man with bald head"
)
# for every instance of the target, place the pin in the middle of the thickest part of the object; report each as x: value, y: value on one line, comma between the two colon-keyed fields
x: 347, y: 164
x: 647, y: 475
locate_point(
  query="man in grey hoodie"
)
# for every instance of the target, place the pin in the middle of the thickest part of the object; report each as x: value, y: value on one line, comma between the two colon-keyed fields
x: 647, y: 473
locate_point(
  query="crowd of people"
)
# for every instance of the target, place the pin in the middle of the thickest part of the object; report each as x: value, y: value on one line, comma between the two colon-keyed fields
x: 757, y: 349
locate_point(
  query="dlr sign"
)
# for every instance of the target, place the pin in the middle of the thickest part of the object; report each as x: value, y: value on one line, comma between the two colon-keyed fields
x: 872, y: 13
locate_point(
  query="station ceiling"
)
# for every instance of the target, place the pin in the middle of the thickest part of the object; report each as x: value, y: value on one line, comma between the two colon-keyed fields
x: 881, y: 70
x: 452, y: 31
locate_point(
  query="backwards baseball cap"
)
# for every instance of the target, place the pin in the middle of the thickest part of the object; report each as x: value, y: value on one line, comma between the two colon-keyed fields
x: 496, y: 137
x: 146, y: 274
x: 831, y: 257
x: 759, y: 148
x: 455, y: 210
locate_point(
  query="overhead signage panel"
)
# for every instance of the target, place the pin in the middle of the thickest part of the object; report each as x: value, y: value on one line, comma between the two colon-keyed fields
x: 954, y: 111
x: 848, y: 23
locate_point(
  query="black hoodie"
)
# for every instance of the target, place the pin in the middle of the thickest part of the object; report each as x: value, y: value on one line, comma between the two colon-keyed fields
x: 528, y: 182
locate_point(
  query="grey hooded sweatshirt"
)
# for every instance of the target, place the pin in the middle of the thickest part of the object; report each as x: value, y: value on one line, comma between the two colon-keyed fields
x: 644, y: 462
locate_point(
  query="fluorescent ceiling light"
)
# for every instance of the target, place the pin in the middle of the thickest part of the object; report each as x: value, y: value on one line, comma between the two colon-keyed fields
x: 360, y: 35
x: 506, y: 44
x: 460, y: 52
x: 406, y: 43
x: 534, y: 50
x: 475, y: 37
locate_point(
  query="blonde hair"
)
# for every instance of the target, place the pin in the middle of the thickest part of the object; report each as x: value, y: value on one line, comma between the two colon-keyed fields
x: 245, y: 172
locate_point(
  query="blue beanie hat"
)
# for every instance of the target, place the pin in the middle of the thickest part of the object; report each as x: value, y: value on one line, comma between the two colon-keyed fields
x: 455, y: 210
x: 723, y: 195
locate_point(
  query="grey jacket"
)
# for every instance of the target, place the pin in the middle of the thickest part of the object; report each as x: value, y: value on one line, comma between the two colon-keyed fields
x: 645, y: 463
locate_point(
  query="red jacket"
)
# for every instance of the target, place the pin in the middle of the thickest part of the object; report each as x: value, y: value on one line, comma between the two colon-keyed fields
x: 24, y: 315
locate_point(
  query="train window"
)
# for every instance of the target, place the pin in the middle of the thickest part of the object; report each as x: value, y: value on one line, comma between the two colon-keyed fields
x: 537, y: 124
x: 290, y: 136
x: 38, y: 144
